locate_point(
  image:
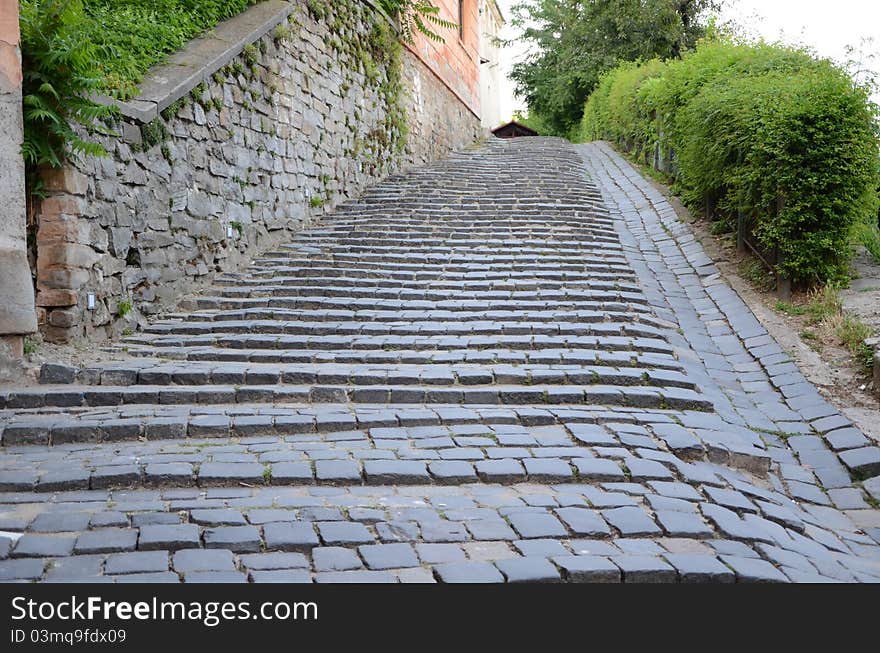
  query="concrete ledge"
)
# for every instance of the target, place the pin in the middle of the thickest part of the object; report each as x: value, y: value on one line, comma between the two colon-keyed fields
x: 166, y: 83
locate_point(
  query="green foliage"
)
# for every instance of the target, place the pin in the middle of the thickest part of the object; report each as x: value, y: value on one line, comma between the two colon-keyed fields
x: 852, y: 333
x: 824, y: 304
x: 137, y: 35
x: 415, y: 16
x: 251, y: 54
x: 31, y: 346
x: 172, y: 109
x: 153, y: 133
x: 617, y: 114
x: 769, y: 130
x: 575, y: 41
x: 316, y: 202
x: 533, y: 120
x: 755, y: 273
x: 867, y: 234
x: 123, y: 308
x: 58, y: 61
x: 788, y: 308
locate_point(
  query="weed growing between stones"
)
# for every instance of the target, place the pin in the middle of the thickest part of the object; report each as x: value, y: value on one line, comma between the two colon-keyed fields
x: 826, y: 322
x: 31, y: 346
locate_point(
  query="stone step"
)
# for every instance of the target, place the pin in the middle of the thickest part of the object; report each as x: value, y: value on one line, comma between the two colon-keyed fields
x: 620, y: 302
x: 496, y: 230
x: 184, y: 440
x: 72, y: 396
x: 441, y: 267
x: 408, y: 328
x: 489, y: 261
x: 290, y: 318
x: 549, y: 296
x: 527, y: 250
x: 363, y: 272
x: 172, y: 421
x: 156, y: 372
x: 402, y: 356
x: 441, y: 455
x: 417, y: 343
x: 252, y: 284
x: 426, y: 243
x: 361, y: 267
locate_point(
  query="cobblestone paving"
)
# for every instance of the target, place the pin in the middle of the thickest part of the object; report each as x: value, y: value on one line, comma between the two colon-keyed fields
x: 514, y: 365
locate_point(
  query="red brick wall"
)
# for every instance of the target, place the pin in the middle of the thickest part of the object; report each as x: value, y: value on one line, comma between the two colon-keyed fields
x: 456, y: 61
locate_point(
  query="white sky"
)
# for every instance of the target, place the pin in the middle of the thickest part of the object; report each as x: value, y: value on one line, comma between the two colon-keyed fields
x: 827, y: 26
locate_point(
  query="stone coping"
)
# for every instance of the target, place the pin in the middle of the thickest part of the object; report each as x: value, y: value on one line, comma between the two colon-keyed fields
x: 166, y: 83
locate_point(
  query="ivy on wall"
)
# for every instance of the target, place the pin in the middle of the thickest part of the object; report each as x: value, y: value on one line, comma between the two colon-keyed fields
x: 416, y: 16
x: 376, y: 55
x: 67, y: 44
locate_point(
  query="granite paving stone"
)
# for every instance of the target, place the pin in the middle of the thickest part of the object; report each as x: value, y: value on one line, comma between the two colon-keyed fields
x: 534, y: 525
x: 468, y: 572
x: 107, y: 540
x: 170, y: 537
x: 588, y: 569
x: 644, y: 569
x: 240, y: 539
x: 388, y: 556
x: 136, y: 562
x: 693, y: 568
x: 294, y: 536
x: 529, y: 569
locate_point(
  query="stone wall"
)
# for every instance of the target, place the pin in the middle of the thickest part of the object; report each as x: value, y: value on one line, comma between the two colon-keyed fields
x: 16, y: 290
x: 272, y: 135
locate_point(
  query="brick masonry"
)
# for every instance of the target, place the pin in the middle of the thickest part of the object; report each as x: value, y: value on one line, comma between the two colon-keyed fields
x: 290, y: 129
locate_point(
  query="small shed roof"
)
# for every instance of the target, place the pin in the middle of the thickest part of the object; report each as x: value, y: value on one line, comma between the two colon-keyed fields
x: 513, y: 129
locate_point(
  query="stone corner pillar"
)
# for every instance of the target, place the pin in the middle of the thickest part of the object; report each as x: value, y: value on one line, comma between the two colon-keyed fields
x: 17, y: 310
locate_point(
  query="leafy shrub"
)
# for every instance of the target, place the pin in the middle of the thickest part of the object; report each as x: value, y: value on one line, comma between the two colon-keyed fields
x: 623, y: 118
x: 772, y: 131
x: 416, y: 16
x: 59, y: 75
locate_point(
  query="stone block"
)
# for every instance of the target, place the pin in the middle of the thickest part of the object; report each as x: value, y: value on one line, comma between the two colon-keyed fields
x: 66, y: 179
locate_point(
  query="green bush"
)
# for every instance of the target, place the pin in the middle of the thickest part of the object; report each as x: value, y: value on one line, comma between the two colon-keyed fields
x: 58, y: 77
x: 623, y: 117
x: 786, y: 138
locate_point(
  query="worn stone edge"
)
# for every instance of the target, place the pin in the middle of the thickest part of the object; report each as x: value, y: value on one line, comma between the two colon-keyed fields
x: 166, y: 83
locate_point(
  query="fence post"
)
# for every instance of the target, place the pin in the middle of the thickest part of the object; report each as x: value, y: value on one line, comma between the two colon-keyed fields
x: 740, y: 230
x: 783, y: 283
x: 783, y: 287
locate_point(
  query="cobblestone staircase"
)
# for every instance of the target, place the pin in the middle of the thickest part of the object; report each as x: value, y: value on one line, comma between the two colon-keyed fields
x: 481, y: 370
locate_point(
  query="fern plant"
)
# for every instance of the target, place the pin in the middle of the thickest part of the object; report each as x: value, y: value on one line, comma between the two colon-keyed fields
x: 59, y: 77
x: 417, y: 16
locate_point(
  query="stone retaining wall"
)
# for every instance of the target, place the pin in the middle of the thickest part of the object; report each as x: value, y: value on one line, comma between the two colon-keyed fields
x: 304, y: 117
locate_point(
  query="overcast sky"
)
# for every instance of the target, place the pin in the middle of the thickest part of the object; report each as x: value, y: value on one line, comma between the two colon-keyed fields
x: 826, y: 26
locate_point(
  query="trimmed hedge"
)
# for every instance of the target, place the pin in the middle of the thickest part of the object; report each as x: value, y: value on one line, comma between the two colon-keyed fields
x: 772, y: 131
